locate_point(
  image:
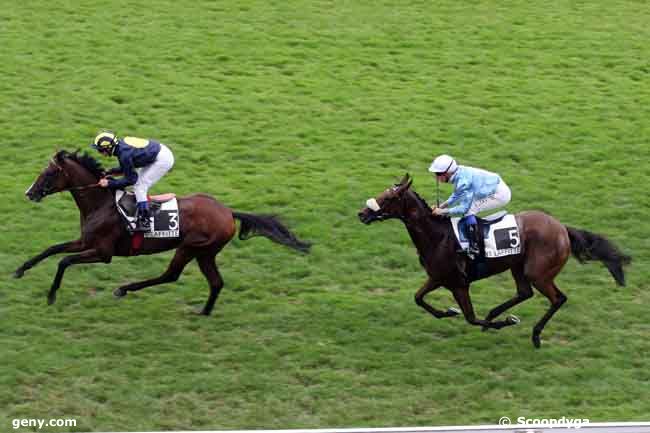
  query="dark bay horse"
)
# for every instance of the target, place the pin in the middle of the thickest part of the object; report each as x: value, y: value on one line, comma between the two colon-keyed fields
x: 546, y: 246
x: 206, y: 226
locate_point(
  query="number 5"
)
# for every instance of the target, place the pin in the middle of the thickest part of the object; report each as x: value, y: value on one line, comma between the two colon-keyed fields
x: 514, y: 238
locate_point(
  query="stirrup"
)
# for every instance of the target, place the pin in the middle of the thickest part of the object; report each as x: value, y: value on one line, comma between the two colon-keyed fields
x: 142, y: 226
x: 473, y: 252
x: 467, y: 253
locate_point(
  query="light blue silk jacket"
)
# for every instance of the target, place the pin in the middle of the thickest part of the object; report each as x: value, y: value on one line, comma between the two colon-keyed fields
x: 470, y: 184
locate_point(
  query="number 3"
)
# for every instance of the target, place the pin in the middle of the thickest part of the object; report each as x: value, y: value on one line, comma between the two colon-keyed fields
x: 173, y: 221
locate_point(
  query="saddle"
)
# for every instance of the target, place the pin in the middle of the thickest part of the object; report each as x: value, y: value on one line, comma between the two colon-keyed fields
x: 164, y: 213
x: 483, y: 224
x: 127, y: 205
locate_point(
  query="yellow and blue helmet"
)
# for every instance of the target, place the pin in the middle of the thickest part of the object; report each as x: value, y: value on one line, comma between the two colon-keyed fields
x: 105, y: 141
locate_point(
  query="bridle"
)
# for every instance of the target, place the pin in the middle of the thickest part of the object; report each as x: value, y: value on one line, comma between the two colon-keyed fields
x: 373, y: 205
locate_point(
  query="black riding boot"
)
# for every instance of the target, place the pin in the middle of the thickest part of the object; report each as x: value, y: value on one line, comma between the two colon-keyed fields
x: 474, y: 250
x: 143, y: 222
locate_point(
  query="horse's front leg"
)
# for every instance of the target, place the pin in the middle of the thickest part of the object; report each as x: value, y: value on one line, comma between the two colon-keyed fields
x: 66, y: 247
x: 465, y: 303
x: 524, y: 291
x: 88, y: 256
x: 430, y: 286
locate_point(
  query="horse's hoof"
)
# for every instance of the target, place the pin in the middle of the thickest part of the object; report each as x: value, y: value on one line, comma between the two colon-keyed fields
x: 119, y: 292
x: 51, y: 299
x: 200, y: 312
x: 536, y: 341
x: 19, y: 273
x: 453, y: 311
x: 512, y: 320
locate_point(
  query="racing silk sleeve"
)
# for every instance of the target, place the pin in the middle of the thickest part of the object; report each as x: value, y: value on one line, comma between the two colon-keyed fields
x: 130, y: 175
x: 463, y: 196
x: 114, y: 170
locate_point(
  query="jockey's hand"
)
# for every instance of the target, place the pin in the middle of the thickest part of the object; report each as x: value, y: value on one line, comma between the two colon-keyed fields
x: 437, y: 211
x: 103, y: 182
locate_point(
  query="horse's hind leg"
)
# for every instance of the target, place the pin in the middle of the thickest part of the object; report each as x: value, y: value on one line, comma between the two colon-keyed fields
x: 557, y: 298
x: 211, y: 272
x: 524, y: 291
x: 174, y: 270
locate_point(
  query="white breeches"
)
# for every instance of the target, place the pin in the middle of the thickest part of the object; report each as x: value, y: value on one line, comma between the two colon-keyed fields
x: 500, y: 198
x: 152, y: 173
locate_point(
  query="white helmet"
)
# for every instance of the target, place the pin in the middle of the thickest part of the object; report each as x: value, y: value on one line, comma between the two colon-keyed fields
x: 443, y: 164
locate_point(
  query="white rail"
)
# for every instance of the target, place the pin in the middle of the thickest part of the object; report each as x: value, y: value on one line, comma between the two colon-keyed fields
x: 621, y: 427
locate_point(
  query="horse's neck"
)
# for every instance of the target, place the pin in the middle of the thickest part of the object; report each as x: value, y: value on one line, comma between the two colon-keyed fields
x: 424, y: 231
x: 430, y: 235
x: 89, y: 200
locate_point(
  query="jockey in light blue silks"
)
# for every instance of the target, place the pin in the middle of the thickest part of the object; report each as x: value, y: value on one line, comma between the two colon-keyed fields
x: 142, y: 162
x: 475, y: 190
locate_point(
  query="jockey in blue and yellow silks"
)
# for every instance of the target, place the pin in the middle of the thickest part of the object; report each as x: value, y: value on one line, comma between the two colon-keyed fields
x: 475, y: 190
x: 142, y: 163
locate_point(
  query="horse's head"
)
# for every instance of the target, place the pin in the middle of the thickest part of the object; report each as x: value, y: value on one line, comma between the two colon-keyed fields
x: 64, y: 170
x: 389, y: 204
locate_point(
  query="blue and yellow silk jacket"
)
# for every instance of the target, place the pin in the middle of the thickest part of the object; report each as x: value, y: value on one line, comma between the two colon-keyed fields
x: 132, y: 153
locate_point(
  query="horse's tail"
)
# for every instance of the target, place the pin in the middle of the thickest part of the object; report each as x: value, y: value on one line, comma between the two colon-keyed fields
x: 270, y: 227
x: 590, y: 246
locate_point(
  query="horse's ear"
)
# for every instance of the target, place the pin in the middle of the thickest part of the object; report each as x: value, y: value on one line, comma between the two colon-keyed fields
x: 405, y: 183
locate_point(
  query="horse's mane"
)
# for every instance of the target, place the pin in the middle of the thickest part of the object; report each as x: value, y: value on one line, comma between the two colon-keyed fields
x: 85, y: 160
x: 424, y: 206
x: 420, y: 199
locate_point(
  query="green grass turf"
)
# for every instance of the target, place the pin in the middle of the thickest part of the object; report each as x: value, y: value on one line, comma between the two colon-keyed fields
x: 305, y: 109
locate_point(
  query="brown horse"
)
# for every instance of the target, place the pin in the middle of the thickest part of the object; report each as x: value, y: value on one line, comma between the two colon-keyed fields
x: 206, y: 226
x: 546, y: 246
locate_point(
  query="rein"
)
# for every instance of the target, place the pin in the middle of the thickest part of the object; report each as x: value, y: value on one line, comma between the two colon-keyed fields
x: 78, y: 188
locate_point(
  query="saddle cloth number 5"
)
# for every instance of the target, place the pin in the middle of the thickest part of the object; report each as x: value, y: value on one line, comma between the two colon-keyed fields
x: 507, y: 238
